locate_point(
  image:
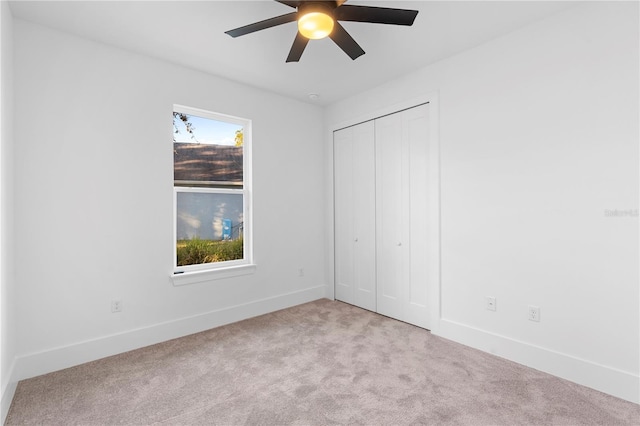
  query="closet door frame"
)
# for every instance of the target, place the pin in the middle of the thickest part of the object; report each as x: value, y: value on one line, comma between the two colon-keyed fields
x: 434, y: 290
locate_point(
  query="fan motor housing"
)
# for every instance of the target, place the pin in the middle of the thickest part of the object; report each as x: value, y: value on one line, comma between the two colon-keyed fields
x: 326, y: 7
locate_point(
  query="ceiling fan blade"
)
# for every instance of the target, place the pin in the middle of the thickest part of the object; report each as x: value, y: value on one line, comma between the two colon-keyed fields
x: 262, y: 25
x: 298, y: 47
x: 376, y: 15
x: 293, y: 4
x: 342, y: 38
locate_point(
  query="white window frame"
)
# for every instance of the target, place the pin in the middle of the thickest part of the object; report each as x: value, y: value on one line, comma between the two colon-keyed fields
x: 191, y: 274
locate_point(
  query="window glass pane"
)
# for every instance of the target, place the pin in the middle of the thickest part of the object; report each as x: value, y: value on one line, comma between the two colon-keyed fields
x: 210, y: 165
x: 207, y: 152
x: 209, y: 227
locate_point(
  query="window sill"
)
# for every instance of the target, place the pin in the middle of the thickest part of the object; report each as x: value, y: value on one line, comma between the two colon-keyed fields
x: 212, y: 274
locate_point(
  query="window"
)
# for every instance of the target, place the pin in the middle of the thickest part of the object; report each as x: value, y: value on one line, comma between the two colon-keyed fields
x: 212, y: 226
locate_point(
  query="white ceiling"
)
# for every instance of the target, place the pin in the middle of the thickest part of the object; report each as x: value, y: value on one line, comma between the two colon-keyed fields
x: 191, y: 33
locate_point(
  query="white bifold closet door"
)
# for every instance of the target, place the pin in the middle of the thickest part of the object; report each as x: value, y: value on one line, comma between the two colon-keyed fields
x: 402, y: 194
x: 354, y: 195
x: 381, y: 189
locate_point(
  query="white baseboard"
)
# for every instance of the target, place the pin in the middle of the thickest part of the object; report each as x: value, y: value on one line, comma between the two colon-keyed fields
x: 621, y: 384
x: 7, y: 397
x: 8, y: 391
x: 35, y: 364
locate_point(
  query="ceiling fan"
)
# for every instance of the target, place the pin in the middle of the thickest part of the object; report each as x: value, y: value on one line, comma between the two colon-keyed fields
x: 319, y: 19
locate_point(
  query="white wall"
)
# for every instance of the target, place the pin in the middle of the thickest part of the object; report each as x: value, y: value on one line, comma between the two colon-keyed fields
x: 7, y: 282
x: 94, y: 179
x: 538, y: 137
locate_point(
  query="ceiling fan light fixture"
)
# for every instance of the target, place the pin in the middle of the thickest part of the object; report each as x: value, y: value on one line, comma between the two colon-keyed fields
x: 318, y: 19
x: 315, y: 25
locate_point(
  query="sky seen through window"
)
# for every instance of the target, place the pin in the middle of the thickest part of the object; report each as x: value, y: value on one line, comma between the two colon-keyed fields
x: 206, y: 131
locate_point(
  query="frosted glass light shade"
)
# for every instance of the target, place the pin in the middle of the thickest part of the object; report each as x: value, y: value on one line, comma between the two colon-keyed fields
x: 315, y: 25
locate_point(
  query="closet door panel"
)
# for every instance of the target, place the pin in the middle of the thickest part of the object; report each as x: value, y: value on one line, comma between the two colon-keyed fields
x: 389, y: 220
x: 343, y: 220
x: 354, y: 189
x: 402, y: 223
x: 364, y: 227
x: 415, y: 122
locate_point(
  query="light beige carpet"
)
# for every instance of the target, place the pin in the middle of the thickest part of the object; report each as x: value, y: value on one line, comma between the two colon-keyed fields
x: 319, y: 363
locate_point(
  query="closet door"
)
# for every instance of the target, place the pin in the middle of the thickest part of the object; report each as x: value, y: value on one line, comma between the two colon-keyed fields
x: 390, y: 226
x: 354, y: 189
x: 402, y: 143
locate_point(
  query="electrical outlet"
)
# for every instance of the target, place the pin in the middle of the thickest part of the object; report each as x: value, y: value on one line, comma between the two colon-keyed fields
x: 491, y: 303
x: 534, y: 313
x: 116, y: 306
